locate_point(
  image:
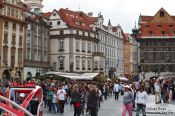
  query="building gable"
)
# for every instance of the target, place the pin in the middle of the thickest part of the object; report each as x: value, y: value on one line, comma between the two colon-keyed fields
x: 54, y: 15
x: 162, y: 17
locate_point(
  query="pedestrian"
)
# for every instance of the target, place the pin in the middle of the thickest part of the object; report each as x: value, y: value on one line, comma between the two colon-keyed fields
x: 93, y: 101
x: 61, y: 99
x: 50, y: 98
x: 75, y: 100
x: 141, y: 99
x: 157, y: 92
x: 127, y: 101
x: 116, y: 90
x: 54, y: 102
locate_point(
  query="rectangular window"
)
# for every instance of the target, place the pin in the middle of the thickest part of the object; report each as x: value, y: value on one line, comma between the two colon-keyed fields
x: 8, y: 12
x: 21, y: 28
x: 20, y: 41
x: 5, y: 38
x: 83, y: 63
x: 16, y: 14
x: 6, y: 25
x: 14, y: 26
x: 12, y: 12
x: 20, y: 56
x: 61, y: 44
x: 150, y: 33
x: 61, y: 64
x: 77, y: 45
x: 89, y: 64
x: 5, y: 54
x: 96, y: 65
x: 50, y: 23
x: 77, y: 63
x: 89, y: 47
x: 28, y: 54
x: 83, y: 46
x: 13, y: 40
x: 95, y: 48
x: 163, y: 33
x: 58, y: 23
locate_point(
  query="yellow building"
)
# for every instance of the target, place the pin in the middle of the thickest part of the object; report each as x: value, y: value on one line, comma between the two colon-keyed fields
x: 11, y: 40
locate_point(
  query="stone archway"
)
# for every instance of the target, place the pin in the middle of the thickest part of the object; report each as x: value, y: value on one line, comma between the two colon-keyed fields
x: 6, y: 75
x: 29, y: 74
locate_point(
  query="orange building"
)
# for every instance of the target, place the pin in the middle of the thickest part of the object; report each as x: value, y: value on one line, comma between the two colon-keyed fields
x: 127, y: 56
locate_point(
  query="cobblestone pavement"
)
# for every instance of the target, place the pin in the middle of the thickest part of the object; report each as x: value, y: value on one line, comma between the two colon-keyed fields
x: 113, y: 107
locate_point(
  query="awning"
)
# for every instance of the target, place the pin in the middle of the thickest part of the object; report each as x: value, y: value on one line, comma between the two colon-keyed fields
x: 123, y: 78
x: 87, y: 76
x: 75, y: 76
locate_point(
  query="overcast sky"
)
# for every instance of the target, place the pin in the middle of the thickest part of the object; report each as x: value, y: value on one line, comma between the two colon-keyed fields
x: 123, y: 12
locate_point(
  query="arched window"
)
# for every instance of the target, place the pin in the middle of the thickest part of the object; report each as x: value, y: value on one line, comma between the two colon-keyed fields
x: 161, y: 13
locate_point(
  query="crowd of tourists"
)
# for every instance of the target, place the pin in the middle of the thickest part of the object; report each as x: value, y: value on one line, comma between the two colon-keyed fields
x: 86, y: 96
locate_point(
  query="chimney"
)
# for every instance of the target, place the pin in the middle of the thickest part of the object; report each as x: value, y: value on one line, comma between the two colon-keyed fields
x: 90, y: 14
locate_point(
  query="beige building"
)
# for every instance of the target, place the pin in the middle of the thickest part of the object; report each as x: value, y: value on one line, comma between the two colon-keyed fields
x: 12, y: 40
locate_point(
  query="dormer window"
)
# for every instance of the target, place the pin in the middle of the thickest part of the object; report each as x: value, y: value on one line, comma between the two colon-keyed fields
x: 162, y: 14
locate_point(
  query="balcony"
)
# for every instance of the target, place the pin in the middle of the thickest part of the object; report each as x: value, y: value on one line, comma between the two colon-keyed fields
x: 61, y: 50
x: 97, y: 54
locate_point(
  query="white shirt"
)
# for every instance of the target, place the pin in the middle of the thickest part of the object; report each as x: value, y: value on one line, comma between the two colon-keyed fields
x: 157, y: 87
x: 141, y: 97
x: 116, y: 88
x: 54, y: 98
x: 61, y: 94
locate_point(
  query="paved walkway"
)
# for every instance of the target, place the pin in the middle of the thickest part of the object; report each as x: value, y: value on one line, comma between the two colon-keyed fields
x: 113, y: 107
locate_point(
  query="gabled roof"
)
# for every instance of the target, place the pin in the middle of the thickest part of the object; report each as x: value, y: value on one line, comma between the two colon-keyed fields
x: 161, y: 24
x: 76, y: 19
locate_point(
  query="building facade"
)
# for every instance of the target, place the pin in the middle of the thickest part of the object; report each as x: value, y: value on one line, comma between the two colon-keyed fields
x: 73, y: 44
x: 37, y: 40
x: 157, y: 45
x: 134, y: 57
x: 111, y: 45
x: 12, y: 24
x: 127, y: 57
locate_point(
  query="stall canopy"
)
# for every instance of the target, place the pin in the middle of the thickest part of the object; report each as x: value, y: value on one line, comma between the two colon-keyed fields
x: 123, y: 78
x: 75, y: 76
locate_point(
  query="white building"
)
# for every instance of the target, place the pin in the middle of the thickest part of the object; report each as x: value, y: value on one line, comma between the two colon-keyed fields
x: 73, y: 44
x: 111, y: 45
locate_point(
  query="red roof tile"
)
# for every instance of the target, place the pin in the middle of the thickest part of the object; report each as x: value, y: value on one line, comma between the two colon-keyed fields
x: 77, y: 19
x: 47, y: 15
